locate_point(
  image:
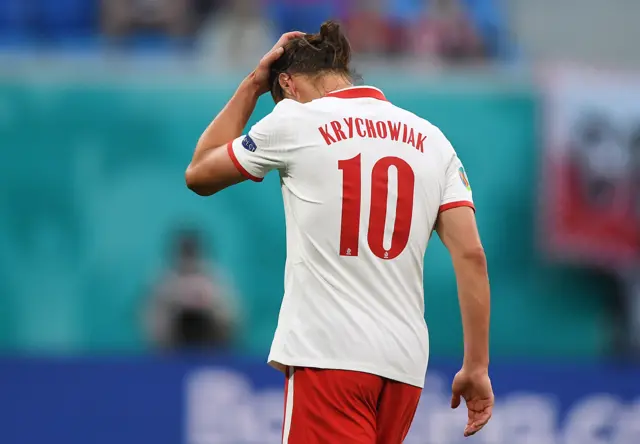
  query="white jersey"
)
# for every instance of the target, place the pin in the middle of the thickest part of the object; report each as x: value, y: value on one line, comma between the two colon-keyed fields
x: 363, y: 182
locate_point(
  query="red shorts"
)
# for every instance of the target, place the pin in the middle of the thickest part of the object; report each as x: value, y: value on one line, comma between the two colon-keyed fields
x: 346, y: 407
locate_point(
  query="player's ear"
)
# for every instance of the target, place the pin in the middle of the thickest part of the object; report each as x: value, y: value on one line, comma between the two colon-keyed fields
x: 286, y: 84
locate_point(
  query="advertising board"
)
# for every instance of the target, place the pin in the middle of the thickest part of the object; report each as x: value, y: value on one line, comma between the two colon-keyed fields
x: 239, y: 401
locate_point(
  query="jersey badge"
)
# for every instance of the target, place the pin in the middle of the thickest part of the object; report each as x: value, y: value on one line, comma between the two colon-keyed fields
x: 249, y: 144
x: 463, y: 177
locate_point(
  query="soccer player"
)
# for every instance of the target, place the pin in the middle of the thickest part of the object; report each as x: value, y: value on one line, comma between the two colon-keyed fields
x: 364, y: 184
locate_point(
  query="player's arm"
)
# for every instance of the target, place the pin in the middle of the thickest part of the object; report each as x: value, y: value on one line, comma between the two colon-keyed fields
x: 457, y: 229
x: 212, y: 167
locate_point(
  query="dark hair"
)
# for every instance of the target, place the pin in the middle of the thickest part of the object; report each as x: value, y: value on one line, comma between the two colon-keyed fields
x: 328, y: 51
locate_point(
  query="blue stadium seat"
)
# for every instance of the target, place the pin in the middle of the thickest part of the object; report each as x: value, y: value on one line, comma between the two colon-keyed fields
x: 491, y: 24
x: 487, y: 16
x: 61, y: 19
x: 14, y: 20
x: 306, y: 17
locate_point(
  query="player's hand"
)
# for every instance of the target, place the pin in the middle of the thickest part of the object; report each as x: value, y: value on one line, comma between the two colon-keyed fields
x: 260, y: 76
x: 475, y: 388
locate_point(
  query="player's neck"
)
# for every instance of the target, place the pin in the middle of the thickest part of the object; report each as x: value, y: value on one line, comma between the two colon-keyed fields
x: 333, y: 82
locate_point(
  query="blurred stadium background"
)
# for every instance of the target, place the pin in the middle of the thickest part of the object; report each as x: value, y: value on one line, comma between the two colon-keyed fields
x: 132, y: 311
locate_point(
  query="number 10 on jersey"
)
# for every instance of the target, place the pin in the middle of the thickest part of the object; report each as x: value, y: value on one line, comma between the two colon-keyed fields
x: 352, y: 203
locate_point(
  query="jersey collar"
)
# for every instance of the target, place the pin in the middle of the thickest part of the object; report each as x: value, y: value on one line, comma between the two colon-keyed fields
x: 358, y: 92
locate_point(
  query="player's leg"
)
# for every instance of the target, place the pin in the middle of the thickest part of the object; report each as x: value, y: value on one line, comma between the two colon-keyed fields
x: 396, y: 408
x: 330, y: 406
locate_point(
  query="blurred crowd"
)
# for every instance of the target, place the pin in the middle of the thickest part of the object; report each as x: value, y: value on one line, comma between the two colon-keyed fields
x: 191, y: 306
x: 451, y: 31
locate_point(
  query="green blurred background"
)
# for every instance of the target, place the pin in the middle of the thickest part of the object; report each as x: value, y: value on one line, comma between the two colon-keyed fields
x: 101, y: 105
x: 93, y: 185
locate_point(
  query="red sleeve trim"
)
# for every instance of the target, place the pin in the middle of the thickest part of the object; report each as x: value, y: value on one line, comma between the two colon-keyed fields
x: 460, y: 203
x: 240, y: 168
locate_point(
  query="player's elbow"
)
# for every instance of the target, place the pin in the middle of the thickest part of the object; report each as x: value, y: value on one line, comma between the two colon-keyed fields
x: 195, y: 183
x: 473, y: 255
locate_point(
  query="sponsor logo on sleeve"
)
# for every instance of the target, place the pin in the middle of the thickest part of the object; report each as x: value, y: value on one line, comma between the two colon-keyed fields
x: 249, y: 144
x: 463, y: 177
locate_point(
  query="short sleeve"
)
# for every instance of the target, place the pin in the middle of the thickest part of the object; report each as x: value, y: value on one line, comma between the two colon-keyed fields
x: 265, y: 147
x: 457, y: 189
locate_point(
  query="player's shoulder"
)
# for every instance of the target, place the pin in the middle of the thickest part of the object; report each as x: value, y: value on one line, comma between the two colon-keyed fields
x: 435, y: 136
x: 280, y: 120
x: 283, y: 115
x: 414, y: 119
x: 287, y: 107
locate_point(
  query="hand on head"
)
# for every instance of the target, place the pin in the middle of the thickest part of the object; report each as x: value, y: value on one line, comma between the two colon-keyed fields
x: 260, y: 76
x: 305, y: 67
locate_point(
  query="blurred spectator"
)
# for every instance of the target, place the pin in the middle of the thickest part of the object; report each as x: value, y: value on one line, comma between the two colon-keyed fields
x: 370, y: 30
x: 490, y: 23
x: 449, y: 31
x: 238, y: 34
x: 127, y: 17
x: 189, y: 308
x: 203, y: 9
x: 240, y: 30
x: 446, y: 31
x: 634, y: 145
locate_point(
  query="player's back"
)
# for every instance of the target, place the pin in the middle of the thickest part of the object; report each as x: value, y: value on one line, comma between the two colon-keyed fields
x: 362, y: 187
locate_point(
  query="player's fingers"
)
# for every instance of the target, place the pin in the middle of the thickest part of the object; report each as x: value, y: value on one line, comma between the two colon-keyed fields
x: 455, y: 400
x: 472, y: 429
x: 479, y: 421
x: 469, y: 431
x: 483, y: 416
x: 272, y: 56
x: 286, y: 37
x: 278, y: 48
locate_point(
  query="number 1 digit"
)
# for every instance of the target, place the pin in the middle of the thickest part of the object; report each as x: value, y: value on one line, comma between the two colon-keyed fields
x: 351, y: 197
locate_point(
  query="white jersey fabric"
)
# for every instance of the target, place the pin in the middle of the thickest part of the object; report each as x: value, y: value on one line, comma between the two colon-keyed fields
x: 363, y: 182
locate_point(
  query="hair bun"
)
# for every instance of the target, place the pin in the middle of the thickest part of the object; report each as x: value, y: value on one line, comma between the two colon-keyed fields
x: 331, y: 34
x: 330, y: 31
x: 320, y: 53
